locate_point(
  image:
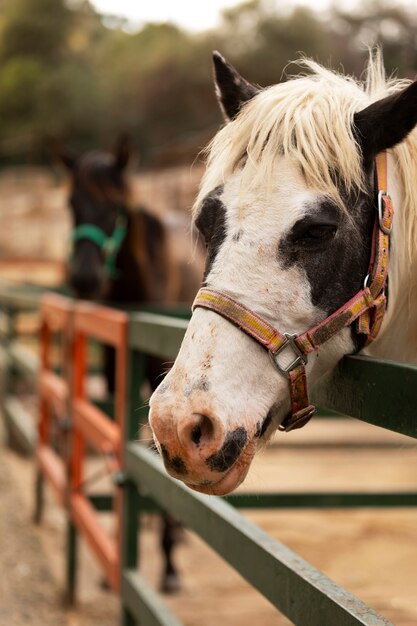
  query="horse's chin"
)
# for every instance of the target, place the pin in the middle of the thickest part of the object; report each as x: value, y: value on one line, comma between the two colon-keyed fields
x: 233, y: 478
x: 102, y: 292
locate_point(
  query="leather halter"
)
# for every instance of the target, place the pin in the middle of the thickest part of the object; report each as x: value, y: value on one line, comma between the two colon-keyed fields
x: 366, y: 307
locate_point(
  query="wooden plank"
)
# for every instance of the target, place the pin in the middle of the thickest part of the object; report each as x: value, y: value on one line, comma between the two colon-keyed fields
x: 144, y: 603
x: 379, y: 392
x: 22, y: 297
x: 24, y: 359
x: 53, y: 388
x: 159, y: 335
x: 101, y: 323
x: 104, y: 547
x: 57, y: 311
x: 322, y: 500
x: 21, y: 426
x: 96, y: 427
x: 292, y: 585
x: 53, y: 468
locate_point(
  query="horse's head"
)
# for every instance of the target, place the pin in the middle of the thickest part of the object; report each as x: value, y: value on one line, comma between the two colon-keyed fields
x: 287, y: 208
x: 98, y: 205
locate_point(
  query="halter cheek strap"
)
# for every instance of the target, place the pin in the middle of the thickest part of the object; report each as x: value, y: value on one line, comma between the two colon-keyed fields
x: 366, y: 308
x: 109, y: 245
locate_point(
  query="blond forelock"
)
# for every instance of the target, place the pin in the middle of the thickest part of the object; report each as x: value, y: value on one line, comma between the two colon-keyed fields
x: 308, y: 119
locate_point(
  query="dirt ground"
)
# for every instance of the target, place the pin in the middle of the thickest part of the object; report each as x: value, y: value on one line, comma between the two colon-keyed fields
x: 373, y: 553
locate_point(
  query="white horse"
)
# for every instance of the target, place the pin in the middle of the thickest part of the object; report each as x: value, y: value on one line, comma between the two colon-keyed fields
x: 288, y: 209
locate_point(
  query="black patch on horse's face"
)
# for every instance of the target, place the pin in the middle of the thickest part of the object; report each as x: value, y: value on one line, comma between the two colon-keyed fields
x: 211, y: 223
x: 175, y: 464
x: 230, y: 451
x: 333, y: 248
x: 330, y: 245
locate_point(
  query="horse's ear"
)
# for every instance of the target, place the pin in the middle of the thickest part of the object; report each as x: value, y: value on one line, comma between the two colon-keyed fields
x: 232, y: 89
x: 386, y: 122
x: 122, y: 151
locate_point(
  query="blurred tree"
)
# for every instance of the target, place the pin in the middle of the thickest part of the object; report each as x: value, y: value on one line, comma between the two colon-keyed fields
x: 46, y: 84
x: 68, y: 72
x: 279, y: 39
x: 377, y: 22
x: 35, y: 28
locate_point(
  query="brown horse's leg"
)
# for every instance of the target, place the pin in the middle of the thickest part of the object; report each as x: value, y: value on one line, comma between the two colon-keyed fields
x: 170, y: 581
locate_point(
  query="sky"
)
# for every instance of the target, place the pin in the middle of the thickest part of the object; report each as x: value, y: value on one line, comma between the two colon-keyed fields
x: 195, y: 15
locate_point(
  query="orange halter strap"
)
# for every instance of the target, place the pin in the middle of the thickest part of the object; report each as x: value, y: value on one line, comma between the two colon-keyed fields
x: 366, y: 307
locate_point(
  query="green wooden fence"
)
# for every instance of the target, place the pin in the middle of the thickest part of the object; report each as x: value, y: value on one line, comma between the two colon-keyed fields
x: 17, y: 360
x: 377, y: 392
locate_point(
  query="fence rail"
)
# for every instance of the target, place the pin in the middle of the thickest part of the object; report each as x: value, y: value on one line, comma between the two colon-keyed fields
x: 17, y: 358
x: 280, y: 575
x: 382, y: 393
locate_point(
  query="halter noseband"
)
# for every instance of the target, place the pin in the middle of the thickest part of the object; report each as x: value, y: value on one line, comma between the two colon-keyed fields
x: 109, y: 245
x: 366, y: 307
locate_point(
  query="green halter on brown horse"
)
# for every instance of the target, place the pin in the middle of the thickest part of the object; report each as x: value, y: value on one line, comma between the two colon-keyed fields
x: 108, y: 245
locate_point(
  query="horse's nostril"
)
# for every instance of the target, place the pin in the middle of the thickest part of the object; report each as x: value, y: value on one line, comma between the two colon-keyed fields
x: 196, y: 435
x: 198, y: 431
x: 203, y: 431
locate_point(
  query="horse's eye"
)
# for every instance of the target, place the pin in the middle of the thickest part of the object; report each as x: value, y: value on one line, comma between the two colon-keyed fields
x: 317, y: 233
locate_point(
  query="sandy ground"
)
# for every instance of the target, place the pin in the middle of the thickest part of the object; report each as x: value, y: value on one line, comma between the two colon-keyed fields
x: 373, y: 553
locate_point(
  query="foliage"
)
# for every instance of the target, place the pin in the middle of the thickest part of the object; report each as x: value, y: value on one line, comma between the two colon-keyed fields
x: 65, y: 73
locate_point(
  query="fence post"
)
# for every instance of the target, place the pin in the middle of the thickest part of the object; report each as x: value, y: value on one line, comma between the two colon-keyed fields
x: 45, y: 336
x: 130, y: 503
x: 76, y: 445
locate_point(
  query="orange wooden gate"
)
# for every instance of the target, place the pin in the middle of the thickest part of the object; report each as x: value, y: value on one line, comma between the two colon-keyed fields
x: 93, y: 427
x: 65, y: 407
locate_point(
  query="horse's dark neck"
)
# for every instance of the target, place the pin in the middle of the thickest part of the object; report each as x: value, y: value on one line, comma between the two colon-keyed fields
x: 141, y: 275
x: 130, y: 285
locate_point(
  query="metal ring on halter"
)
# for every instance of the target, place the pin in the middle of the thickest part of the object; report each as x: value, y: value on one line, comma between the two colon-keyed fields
x: 385, y: 230
x: 300, y: 357
x: 365, y: 282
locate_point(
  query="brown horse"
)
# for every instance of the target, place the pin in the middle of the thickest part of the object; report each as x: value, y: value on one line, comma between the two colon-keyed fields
x: 119, y: 254
x: 123, y: 256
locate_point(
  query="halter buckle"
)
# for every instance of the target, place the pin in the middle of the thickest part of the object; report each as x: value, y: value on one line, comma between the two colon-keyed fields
x: 300, y: 357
